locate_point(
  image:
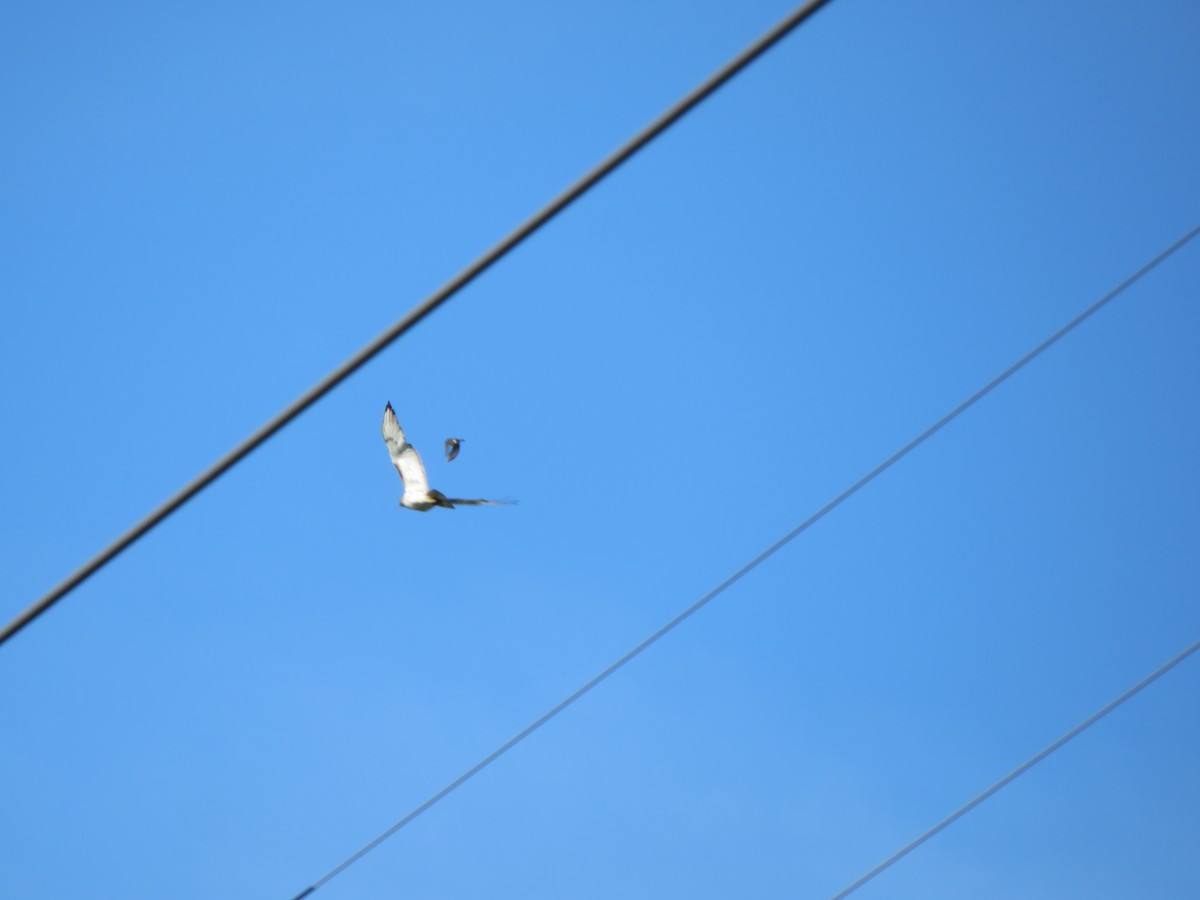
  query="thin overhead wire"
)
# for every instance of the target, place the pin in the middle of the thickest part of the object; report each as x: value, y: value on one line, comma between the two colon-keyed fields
x: 754, y: 563
x: 420, y: 311
x: 1019, y: 770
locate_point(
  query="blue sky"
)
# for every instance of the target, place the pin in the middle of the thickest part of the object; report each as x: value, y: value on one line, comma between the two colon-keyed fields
x: 204, y: 208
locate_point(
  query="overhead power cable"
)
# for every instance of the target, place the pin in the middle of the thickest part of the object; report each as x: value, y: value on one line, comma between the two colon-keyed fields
x: 420, y: 311
x: 754, y: 563
x: 1019, y: 770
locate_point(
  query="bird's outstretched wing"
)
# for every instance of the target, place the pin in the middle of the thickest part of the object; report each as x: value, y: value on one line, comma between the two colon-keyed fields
x: 404, y: 457
x: 458, y: 502
x: 452, y: 448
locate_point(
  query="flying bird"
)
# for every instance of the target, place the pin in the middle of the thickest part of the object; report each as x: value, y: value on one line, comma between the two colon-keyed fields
x: 417, y: 493
x: 452, y: 448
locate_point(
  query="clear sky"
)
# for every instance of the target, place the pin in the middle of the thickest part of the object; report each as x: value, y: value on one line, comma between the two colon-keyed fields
x: 205, y: 207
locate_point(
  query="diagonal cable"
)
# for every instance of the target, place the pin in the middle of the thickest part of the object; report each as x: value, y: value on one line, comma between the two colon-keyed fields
x: 754, y: 563
x: 419, y: 312
x: 1020, y: 770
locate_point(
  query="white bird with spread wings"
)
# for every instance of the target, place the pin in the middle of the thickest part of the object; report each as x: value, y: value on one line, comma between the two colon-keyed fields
x: 417, y: 494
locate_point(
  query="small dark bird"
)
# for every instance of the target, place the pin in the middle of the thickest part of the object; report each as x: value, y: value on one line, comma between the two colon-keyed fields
x: 452, y: 448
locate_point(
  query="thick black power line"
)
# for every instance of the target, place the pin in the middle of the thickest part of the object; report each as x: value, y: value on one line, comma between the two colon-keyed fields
x: 762, y: 557
x: 1020, y: 770
x: 419, y: 312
